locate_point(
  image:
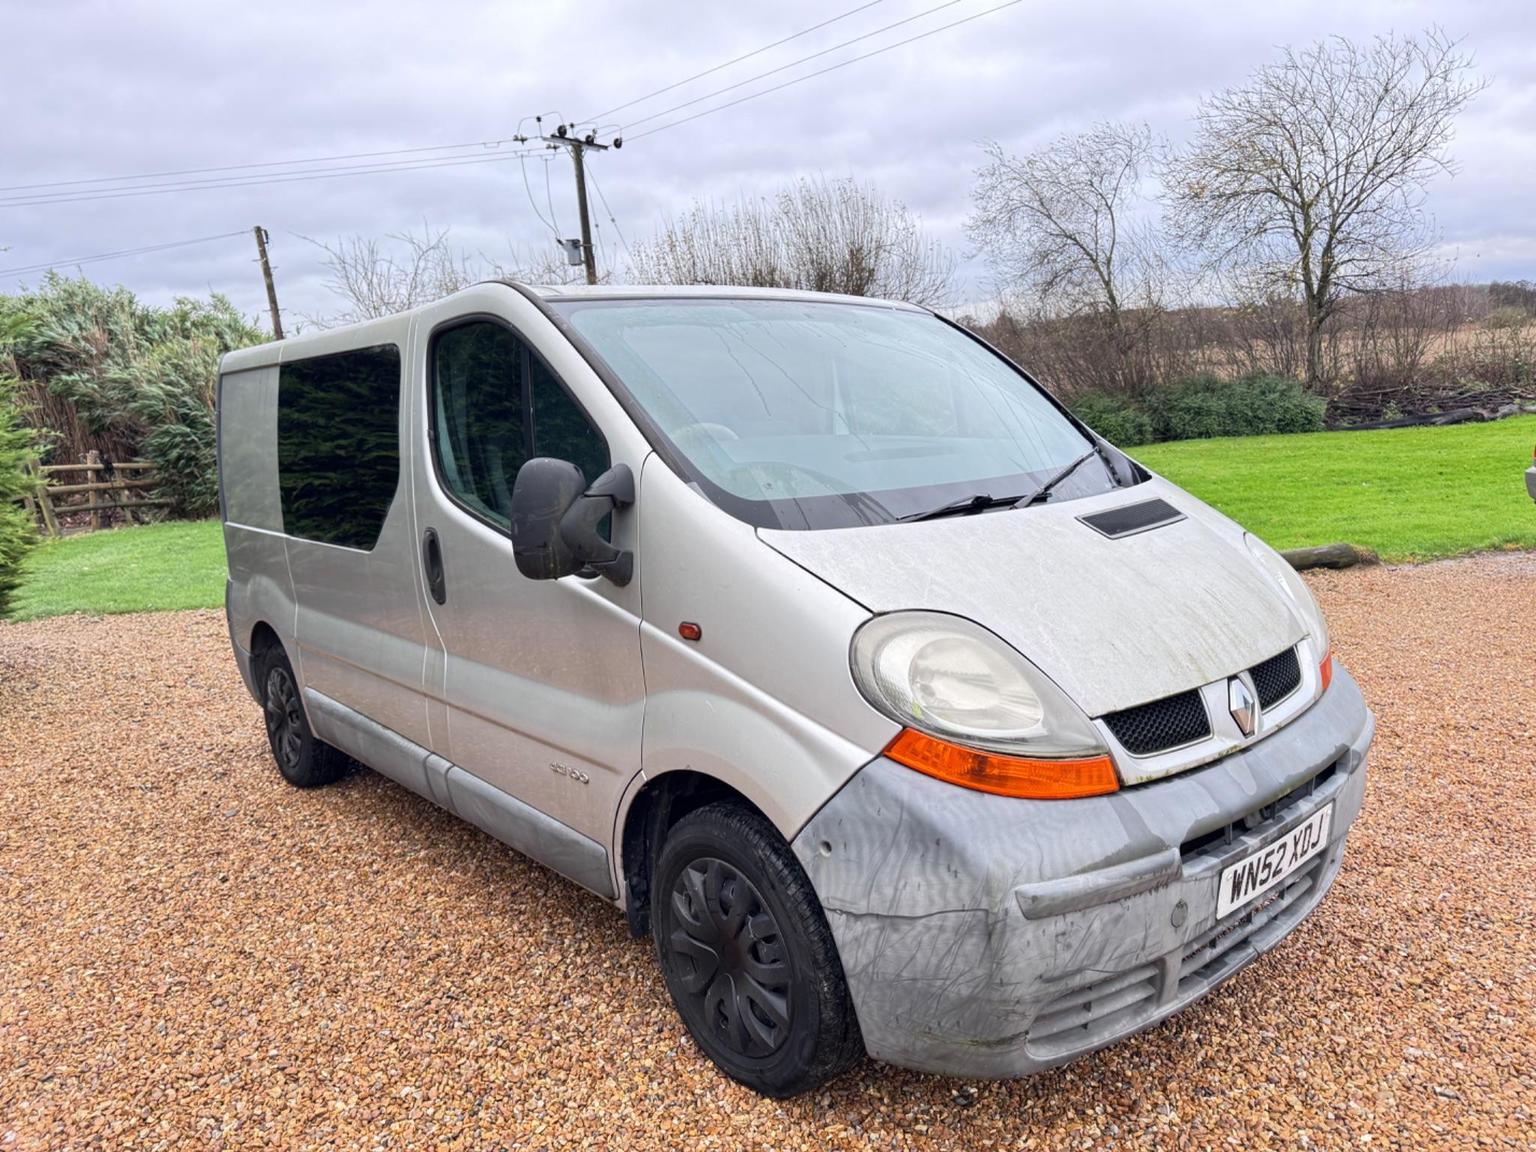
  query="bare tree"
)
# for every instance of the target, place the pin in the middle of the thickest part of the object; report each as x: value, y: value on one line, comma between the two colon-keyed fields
x: 1314, y: 170
x: 379, y: 277
x: 1068, y: 226
x: 1062, y: 221
x: 817, y: 234
x: 716, y: 244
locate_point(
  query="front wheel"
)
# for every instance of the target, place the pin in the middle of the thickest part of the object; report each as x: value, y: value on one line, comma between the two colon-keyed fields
x: 747, y: 954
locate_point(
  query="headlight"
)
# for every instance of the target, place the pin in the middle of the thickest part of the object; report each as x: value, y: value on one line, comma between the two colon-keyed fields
x: 975, y: 712
x: 1294, y: 587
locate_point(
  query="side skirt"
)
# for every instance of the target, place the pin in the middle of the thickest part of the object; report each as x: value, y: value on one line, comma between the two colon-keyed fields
x: 504, y: 816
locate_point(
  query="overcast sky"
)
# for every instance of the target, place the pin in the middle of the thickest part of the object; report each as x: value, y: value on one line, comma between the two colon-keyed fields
x: 95, y: 89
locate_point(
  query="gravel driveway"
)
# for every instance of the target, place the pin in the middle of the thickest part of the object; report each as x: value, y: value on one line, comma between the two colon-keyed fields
x: 193, y: 954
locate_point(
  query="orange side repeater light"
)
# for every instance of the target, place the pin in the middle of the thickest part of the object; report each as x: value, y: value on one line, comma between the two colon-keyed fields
x: 1003, y: 775
x: 1325, y: 669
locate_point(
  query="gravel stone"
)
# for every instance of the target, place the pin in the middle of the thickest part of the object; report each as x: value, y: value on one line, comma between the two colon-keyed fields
x: 195, y: 955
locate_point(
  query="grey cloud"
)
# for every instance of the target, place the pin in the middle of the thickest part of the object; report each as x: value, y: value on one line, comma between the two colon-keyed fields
x: 102, y: 88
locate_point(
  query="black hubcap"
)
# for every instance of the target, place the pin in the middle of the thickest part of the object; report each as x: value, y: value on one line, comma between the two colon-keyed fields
x: 730, y: 957
x: 285, y: 721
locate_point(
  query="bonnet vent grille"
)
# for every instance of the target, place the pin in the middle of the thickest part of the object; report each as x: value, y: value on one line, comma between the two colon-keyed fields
x: 1129, y: 519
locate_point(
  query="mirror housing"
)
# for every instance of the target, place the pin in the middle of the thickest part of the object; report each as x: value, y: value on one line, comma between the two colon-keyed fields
x: 555, y: 515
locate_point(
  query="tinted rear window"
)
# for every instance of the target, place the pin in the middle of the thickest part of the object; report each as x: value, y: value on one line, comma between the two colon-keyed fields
x: 338, y: 445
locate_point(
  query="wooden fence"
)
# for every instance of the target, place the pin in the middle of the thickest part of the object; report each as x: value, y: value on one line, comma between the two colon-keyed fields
x: 108, y: 491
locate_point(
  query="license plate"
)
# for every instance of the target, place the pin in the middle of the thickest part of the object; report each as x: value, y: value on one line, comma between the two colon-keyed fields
x: 1258, y: 872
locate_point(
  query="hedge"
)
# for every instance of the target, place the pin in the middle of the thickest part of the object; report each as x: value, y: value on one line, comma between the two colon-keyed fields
x: 1201, y: 407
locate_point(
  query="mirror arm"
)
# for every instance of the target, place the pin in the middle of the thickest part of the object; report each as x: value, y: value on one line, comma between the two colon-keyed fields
x: 617, y: 484
x: 615, y: 488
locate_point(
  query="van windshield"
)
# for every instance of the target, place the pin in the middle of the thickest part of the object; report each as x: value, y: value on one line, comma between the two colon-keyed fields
x: 799, y: 414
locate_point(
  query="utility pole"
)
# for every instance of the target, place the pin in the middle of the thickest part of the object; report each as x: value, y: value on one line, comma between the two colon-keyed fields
x: 266, y: 273
x: 588, y: 257
x: 578, y: 145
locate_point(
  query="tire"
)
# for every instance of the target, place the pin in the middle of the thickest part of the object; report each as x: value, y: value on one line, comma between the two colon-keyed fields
x: 304, y: 760
x: 747, y: 954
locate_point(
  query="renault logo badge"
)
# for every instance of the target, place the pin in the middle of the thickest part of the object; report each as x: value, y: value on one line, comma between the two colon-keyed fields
x: 1245, y: 709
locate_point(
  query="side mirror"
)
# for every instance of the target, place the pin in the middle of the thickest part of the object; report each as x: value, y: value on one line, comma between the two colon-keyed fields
x: 555, y: 515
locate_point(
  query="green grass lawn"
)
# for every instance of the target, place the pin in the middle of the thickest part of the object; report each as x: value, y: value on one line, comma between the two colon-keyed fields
x: 1405, y: 493
x: 153, y: 568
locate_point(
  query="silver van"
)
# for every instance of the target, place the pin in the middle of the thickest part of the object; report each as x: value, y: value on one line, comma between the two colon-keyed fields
x: 907, y: 715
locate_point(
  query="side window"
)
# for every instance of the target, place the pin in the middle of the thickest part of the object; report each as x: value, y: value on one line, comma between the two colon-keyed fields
x: 338, y: 445
x: 494, y: 406
x: 561, y: 429
x: 477, y: 415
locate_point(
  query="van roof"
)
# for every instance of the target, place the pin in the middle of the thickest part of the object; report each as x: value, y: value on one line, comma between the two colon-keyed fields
x: 393, y: 329
x: 696, y: 291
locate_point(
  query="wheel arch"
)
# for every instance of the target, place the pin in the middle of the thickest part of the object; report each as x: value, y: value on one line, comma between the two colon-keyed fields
x: 659, y: 804
x: 264, y: 638
x: 259, y: 639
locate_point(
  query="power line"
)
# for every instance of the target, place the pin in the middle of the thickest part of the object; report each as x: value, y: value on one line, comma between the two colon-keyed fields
x: 40, y: 188
x: 116, y: 187
x: 259, y: 164
x: 81, y: 183
x: 598, y: 188
x: 549, y: 198
x: 285, y: 178
x: 242, y: 182
x: 727, y: 64
x: 603, y: 244
x: 824, y: 71
x: 100, y: 256
x: 791, y: 64
x: 522, y: 164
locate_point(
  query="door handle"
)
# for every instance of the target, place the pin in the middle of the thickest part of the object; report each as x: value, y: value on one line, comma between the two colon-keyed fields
x: 432, y: 560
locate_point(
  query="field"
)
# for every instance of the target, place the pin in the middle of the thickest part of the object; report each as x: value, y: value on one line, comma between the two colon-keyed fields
x: 1409, y: 494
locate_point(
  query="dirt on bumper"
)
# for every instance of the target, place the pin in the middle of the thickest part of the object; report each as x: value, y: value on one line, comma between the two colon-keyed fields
x: 984, y: 936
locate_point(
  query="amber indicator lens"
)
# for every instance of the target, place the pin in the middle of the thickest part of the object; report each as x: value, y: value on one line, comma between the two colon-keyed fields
x: 1003, y: 775
x: 688, y: 630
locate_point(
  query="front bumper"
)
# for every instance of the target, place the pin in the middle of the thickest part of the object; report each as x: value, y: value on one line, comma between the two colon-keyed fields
x: 985, y: 936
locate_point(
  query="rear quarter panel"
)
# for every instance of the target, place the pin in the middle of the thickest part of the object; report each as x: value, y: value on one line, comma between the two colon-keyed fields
x: 260, y: 587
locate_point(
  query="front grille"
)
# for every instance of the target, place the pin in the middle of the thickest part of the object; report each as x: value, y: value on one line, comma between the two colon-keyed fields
x: 1219, y: 839
x: 1276, y: 678
x: 1168, y: 723
x: 1076, y: 1019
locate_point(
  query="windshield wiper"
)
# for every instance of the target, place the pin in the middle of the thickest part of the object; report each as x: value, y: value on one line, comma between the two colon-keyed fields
x: 977, y: 503
x: 981, y: 501
x: 1044, y: 490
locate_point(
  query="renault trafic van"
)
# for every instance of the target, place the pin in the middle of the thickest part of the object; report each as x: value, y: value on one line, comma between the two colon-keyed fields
x: 907, y: 715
